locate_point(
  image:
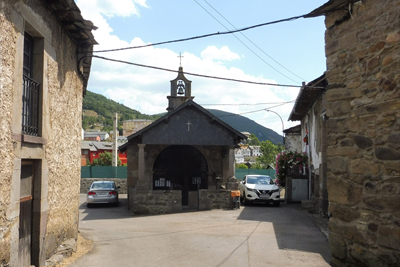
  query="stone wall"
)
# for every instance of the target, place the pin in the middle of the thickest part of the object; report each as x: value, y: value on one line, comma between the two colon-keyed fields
x: 56, y: 152
x: 7, y: 62
x: 170, y: 201
x: 153, y: 202
x: 86, y: 183
x: 363, y: 133
x: 316, y: 126
x: 219, y: 199
x: 215, y: 199
x: 293, y: 142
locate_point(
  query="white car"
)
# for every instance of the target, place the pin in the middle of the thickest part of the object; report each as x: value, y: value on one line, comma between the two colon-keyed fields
x: 259, y: 188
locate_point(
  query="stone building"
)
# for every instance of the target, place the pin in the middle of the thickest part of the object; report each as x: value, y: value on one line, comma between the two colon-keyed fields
x: 293, y: 138
x: 363, y: 130
x: 41, y: 90
x: 183, y: 160
x: 132, y: 126
x: 310, y: 110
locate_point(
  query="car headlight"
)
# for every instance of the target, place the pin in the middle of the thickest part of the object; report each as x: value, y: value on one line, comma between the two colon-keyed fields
x: 252, y: 190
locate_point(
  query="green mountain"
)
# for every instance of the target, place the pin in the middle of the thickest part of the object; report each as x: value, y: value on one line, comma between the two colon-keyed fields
x: 244, y: 124
x: 98, y: 112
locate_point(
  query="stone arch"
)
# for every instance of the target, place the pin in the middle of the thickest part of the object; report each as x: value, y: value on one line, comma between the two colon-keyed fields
x: 180, y: 167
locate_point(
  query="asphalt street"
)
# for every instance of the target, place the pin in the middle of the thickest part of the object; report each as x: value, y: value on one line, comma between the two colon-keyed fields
x: 256, y: 235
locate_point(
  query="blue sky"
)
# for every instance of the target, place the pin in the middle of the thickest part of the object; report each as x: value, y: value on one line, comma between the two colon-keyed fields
x: 291, y: 52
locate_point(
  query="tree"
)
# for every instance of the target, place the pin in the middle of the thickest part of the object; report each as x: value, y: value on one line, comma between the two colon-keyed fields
x: 105, y: 159
x: 269, y: 151
x: 241, y: 166
x: 253, y: 140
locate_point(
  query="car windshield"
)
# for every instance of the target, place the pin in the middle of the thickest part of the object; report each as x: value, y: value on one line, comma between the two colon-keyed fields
x: 102, y: 185
x: 259, y: 180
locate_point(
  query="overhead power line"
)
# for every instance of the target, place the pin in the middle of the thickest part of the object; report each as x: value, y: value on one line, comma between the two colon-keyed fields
x: 195, y: 74
x: 254, y: 111
x: 202, y: 36
x: 254, y: 104
x: 259, y: 48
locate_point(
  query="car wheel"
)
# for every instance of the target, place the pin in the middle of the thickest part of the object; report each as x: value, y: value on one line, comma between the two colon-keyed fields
x: 277, y: 203
x: 116, y: 204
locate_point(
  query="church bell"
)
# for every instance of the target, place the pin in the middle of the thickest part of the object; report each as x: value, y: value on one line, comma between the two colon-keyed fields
x: 181, y: 87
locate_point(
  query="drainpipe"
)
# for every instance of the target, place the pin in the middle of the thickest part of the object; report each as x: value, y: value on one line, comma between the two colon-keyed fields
x: 309, y: 158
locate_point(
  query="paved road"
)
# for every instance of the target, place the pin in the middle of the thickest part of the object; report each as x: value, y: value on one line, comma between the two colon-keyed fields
x: 252, y: 236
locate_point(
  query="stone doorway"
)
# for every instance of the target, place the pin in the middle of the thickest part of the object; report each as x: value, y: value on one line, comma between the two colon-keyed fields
x: 182, y: 168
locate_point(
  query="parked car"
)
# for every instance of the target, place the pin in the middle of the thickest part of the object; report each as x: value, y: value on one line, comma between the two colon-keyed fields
x: 259, y: 188
x: 102, y: 192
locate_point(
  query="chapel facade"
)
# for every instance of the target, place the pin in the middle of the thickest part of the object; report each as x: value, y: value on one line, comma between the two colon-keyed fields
x: 184, y: 160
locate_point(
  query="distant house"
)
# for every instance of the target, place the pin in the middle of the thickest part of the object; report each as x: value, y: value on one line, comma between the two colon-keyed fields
x: 88, y: 136
x: 43, y: 80
x: 309, y: 109
x: 91, y: 150
x: 87, y: 150
x: 239, y: 158
x: 246, y: 152
x: 132, y: 126
x: 293, y: 139
x: 96, y: 136
x: 247, y: 134
x: 255, y: 151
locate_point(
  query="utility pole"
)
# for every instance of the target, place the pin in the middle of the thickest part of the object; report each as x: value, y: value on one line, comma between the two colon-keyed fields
x: 114, y: 139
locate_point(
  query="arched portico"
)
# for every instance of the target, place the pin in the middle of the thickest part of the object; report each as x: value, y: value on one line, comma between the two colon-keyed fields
x: 180, y: 167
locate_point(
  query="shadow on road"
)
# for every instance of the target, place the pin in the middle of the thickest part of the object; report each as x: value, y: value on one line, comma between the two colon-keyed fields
x: 105, y: 211
x: 294, y: 228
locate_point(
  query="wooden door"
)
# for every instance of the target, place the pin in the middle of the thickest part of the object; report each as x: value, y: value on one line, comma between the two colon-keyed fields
x: 25, y: 214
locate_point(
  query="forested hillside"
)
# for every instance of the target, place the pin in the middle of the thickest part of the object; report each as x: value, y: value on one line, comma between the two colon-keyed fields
x: 98, y: 112
x: 244, y: 124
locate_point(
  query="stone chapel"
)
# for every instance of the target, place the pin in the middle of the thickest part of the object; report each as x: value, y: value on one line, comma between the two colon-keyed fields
x: 184, y: 160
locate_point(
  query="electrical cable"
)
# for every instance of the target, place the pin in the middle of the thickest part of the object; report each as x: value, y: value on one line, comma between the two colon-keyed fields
x: 255, y: 104
x: 244, y: 43
x: 197, y: 75
x: 202, y: 36
x: 251, y: 42
x: 248, y: 112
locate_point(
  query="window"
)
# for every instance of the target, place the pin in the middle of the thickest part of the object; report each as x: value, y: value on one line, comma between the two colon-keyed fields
x: 30, y: 92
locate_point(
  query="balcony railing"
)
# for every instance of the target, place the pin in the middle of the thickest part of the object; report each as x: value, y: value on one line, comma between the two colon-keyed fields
x: 30, y: 107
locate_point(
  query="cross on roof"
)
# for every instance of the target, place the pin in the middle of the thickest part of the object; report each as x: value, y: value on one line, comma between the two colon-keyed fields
x: 180, y: 59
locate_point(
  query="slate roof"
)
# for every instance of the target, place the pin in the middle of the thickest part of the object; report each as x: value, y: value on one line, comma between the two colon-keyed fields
x: 165, y: 118
x: 329, y: 7
x: 94, y: 146
x: 306, y: 98
x: 293, y: 130
x: 103, y: 145
x: 80, y: 30
x: 88, y: 145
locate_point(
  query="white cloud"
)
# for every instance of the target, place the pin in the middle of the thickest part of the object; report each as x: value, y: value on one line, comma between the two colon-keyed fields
x: 213, y: 53
x: 111, y: 8
x: 146, y: 89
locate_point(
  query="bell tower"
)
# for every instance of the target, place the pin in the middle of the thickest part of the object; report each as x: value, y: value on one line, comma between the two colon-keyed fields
x: 181, y: 90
